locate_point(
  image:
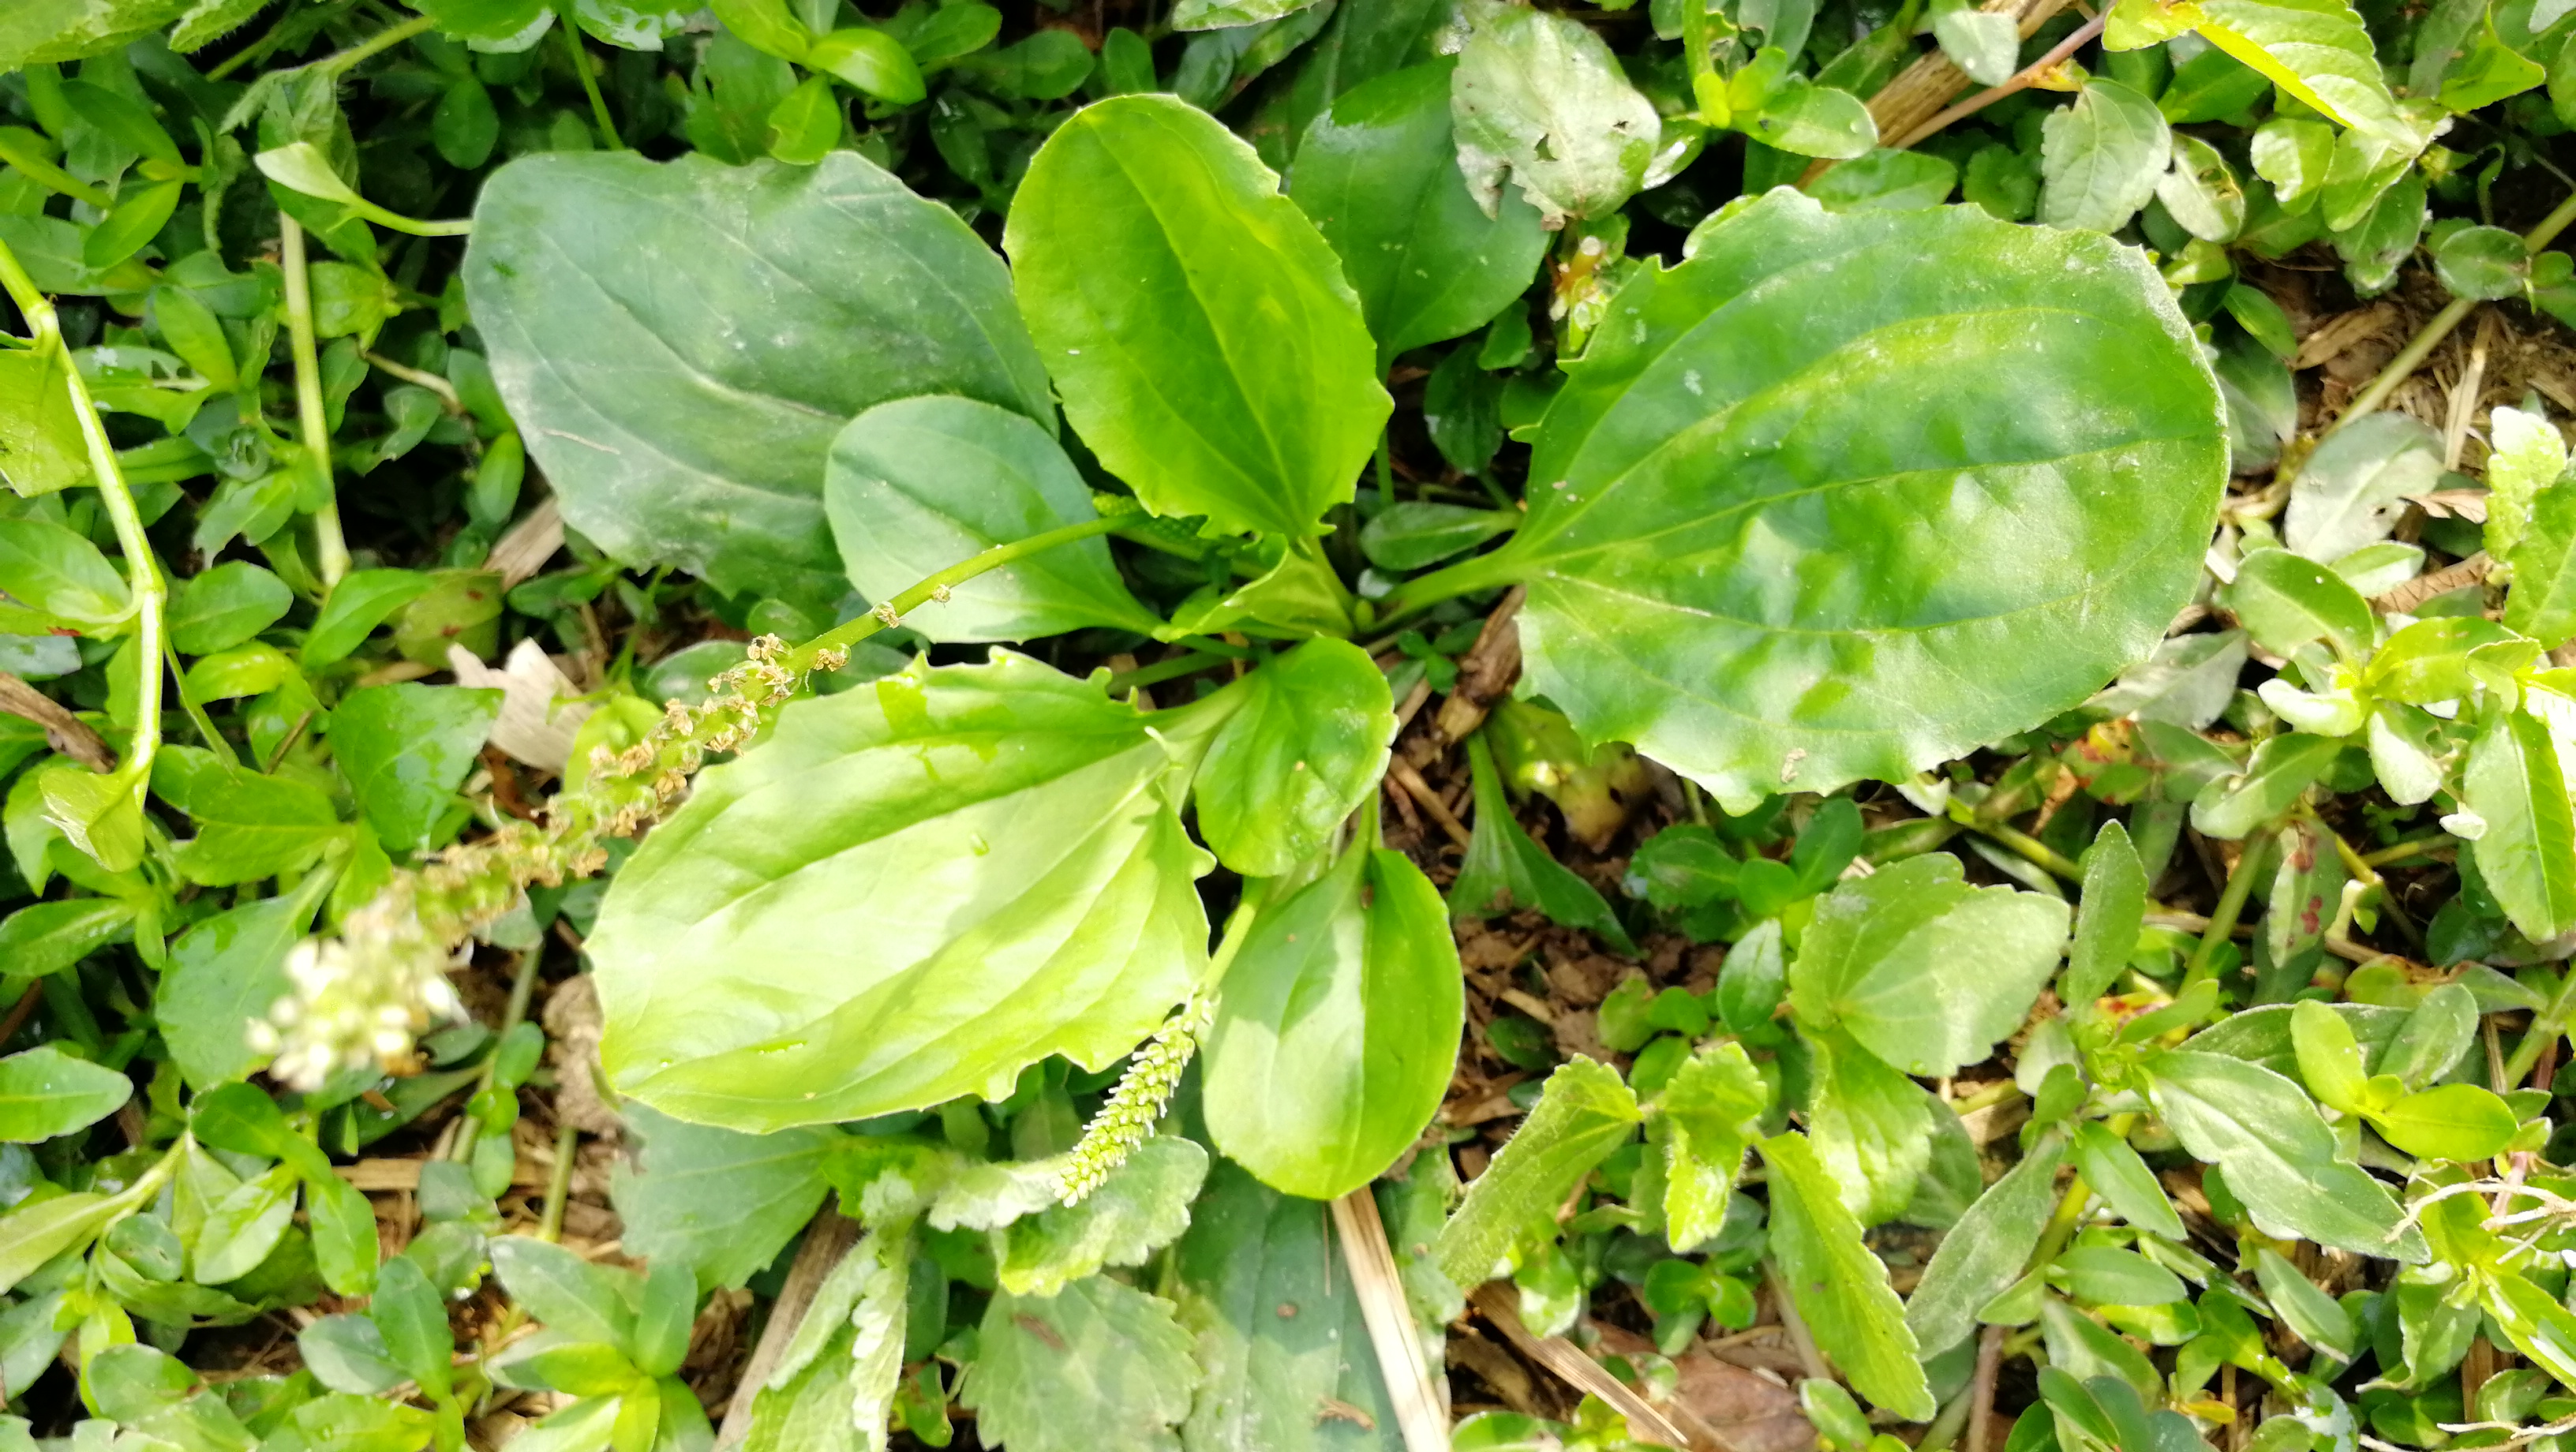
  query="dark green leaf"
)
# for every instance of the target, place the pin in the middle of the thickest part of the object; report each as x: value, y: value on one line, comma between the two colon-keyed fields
x: 1838, y: 1285
x: 720, y: 1202
x: 2279, y: 1157
x: 1987, y: 1250
x: 405, y: 749
x: 1585, y: 1112
x: 45, y: 1092
x: 1099, y: 1368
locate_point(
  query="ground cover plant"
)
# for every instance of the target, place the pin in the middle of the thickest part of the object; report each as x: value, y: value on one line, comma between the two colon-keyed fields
x: 1253, y: 725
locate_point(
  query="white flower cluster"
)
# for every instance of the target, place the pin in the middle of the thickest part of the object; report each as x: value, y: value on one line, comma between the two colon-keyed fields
x: 358, y: 1000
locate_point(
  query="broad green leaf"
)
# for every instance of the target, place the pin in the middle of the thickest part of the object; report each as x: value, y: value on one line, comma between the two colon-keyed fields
x: 413, y: 1318
x: 1099, y: 1368
x: 1704, y: 1119
x: 1337, y: 1028
x: 2329, y: 1057
x: 1585, y: 1112
x: 2482, y: 263
x: 2108, y: 1276
x: 248, y: 826
x: 2083, y: 1349
x: 1143, y: 1206
x: 2317, y: 50
x: 44, y: 32
x: 39, y: 1230
x: 225, y: 973
x: 2120, y: 1176
x: 41, y: 449
x: 2101, y: 157
x: 357, y: 605
x: 1412, y: 533
x: 689, y: 424
x: 2536, y: 1322
x: 919, y: 484
x: 1223, y: 367
x: 1805, y: 119
x: 720, y: 1202
x: 1755, y: 564
x: 2201, y: 193
x: 2307, y: 887
x: 2375, y: 247
x: 2279, y: 1157
x: 2108, y: 918
x: 1987, y: 1250
x: 1249, y: 1252
x: 2353, y: 488
x: 562, y: 1291
x: 1924, y: 970
x: 346, y: 1352
x: 910, y: 892
x: 1887, y: 177
x: 1984, y: 43
x: 222, y: 607
x: 56, y: 572
x: 2433, y: 1038
x: 1212, y: 14
x: 1379, y: 175
x: 1867, y: 1123
x: 48, y: 937
x: 1506, y: 871
x: 343, y: 1227
x: 2542, y: 603
x: 1305, y: 748
x: 2285, y: 600
x: 870, y: 60
x: 405, y: 749
x: 244, y: 1227
x: 2527, y: 457
x: 832, y: 1388
x: 45, y: 1092
x: 2450, y: 1122
x: 2315, y: 1316
x: 1539, y: 101
x: 2186, y: 681
x: 2293, y: 156
x: 1838, y: 1285
x: 2280, y: 770
x: 2514, y: 782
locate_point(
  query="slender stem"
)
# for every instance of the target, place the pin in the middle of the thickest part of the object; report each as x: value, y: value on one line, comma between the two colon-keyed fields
x: 142, y: 570
x: 469, y: 1129
x: 1483, y: 572
x: 1795, y: 1324
x: 1160, y: 671
x: 589, y: 83
x: 559, y: 1183
x: 2025, y: 845
x: 2361, y: 871
x: 205, y: 725
x: 2020, y: 80
x: 2061, y: 1226
x: 2222, y: 919
x: 936, y: 587
x: 1385, y: 469
x: 375, y: 45
x: 2413, y: 847
x: 2546, y: 1026
x: 313, y: 418
x: 2438, y: 327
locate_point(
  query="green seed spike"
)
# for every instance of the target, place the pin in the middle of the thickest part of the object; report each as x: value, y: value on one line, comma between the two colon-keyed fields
x: 1143, y: 1091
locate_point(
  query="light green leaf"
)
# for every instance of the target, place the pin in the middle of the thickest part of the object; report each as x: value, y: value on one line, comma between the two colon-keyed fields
x: 2353, y: 488
x: 1249, y: 1252
x: 1704, y: 1119
x: 2285, y: 600
x: 2122, y: 1179
x: 405, y: 749
x: 1379, y: 175
x: 1307, y: 746
x: 1337, y: 1028
x: 2281, y: 768
x: 2542, y: 603
x: 1585, y: 1112
x: 567, y: 1294
x: 1506, y: 871
x: 690, y: 425
x: 2201, y: 192
x: 2307, y: 887
x: 917, y: 485
x: 1215, y: 14
x: 248, y: 826
x: 2279, y: 1157
x: 2100, y: 158
x: 1142, y: 1207
x: 1749, y: 560
x: 2293, y: 156
x: 1838, y: 1285
x: 2449, y: 1122
x: 2318, y: 1319
x: 1540, y: 101
x: 56, y: 572
x: 2527, y: 457
x: 2514, y: 781
x: 45, y: 32
x: 1924, y: 970
x: 222, y: 607
x: 1806, y: 119
x: 1868, y: 1125
x: 2318, y: 51
x: 2108, y: 1276
x: 1984, y: 43
x: 1100, y: 1368
x: 356, y: 606
x: 2536, y: 1322
x: 41, y: 449
x: 1986, y: 1250
x: 722, y: 1203
x: 244, y: 1227
x: 48, y: 937
x: 2108, y: 919
x: 2329, y: 1058
x: 38, y: 1231
x: 1223, y: 368
x: 45, y: 1092
x: 832, y: 1389
x: 910, y: 892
